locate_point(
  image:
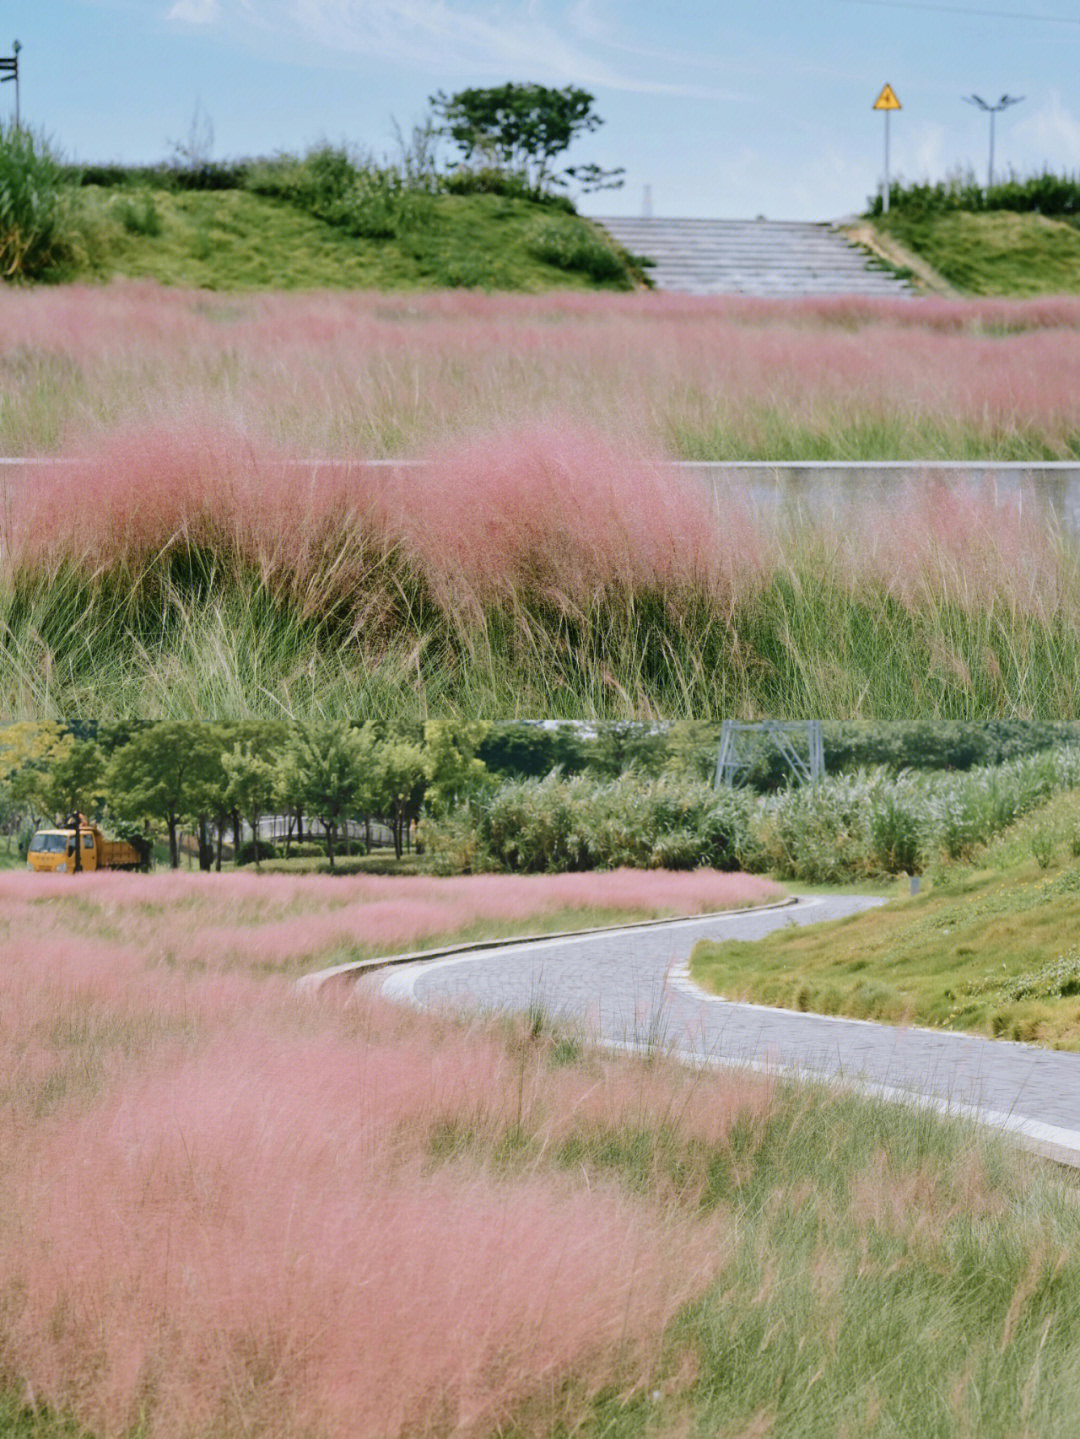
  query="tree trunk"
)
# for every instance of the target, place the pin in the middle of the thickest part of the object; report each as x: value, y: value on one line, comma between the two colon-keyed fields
x: 174, y: 846
x: 329, y: 842
x: 206, y: 852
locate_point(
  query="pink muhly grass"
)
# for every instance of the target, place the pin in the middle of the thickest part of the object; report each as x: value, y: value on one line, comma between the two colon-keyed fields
x: 249, y: 1240
x: 232, y: 1224
x: 554, y: 513
x: 364, y: 374
x: 560, y: 513
x: 271, y: 921
x: 955, y: 543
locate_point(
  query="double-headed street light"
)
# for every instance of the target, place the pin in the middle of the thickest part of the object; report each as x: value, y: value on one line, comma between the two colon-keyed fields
x: 992, y: 110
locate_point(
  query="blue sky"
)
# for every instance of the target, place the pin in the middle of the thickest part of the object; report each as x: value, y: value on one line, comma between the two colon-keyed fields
x: 728, y: 108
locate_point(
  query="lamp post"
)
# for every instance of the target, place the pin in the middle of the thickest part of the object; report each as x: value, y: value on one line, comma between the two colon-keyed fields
x: 992, y: 110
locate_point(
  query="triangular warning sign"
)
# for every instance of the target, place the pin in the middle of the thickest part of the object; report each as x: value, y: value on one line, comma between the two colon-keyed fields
x: 887, y: 99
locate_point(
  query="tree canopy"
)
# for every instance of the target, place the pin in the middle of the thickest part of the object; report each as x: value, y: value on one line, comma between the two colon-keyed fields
x: 520, y: 128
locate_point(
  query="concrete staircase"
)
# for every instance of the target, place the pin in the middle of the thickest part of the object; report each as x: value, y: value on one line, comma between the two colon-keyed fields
x: 774, y: 258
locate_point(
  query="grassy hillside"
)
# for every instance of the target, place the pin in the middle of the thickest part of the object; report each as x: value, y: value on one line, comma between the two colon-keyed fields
x: 238, y: 240
x: 996, y: 253
x: 988, y: 946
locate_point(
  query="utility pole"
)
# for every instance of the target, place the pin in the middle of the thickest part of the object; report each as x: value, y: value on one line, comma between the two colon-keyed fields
x: 992, y: 110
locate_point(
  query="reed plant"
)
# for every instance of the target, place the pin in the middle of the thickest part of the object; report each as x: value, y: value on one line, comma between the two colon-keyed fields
x: 39, y: 234
x: 863, y: 824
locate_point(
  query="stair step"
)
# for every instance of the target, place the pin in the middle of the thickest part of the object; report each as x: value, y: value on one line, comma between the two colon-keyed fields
x: 776, y: 258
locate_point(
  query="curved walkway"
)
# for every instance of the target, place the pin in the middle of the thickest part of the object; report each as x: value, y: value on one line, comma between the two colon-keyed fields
x: 630, y: 987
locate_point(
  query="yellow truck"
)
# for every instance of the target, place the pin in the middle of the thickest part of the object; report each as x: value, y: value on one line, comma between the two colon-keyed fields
x: 54, y: 849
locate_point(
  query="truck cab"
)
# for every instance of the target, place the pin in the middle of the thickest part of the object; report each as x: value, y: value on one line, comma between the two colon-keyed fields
x: 53, y: 850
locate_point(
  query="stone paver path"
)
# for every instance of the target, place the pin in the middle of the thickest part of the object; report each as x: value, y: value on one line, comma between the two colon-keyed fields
x: 631, y: 987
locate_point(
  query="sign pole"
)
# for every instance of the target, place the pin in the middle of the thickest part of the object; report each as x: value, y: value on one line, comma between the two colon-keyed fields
x: 885, y: 205
x: 888, y: 102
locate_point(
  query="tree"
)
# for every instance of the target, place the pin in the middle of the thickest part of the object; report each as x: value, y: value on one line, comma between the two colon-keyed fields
x: 324, y: 770
x: 250, y: 783
x: 518, y: 128
x: 27, y: 751
x: 450, y: 764
x: 73, y: 783
x: 161, y: 773
x: 400, y: 782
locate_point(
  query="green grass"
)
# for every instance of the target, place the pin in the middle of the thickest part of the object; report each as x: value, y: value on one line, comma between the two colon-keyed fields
x: 988, y: 946
x: 884, y: 1273
x: 996, y: 253
x: 236, y: 240
x: 79, y: 647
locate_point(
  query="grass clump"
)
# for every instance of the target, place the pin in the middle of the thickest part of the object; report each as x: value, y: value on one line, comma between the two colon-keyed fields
x: 558, y: 574
x: 39, y: 236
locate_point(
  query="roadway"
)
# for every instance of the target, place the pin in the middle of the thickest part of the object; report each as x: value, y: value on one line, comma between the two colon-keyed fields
x: 630, y: 988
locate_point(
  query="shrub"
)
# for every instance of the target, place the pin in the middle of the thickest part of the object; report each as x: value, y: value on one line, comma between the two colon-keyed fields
x: 845, y: 827
x: 489, y: 181
x: 353, y: 195
x: 556, y: 825
x: 1043, y: 194
x: 574, y: 247
x: 246, y: 853
x: 37, y: 231
x: 139, y: 214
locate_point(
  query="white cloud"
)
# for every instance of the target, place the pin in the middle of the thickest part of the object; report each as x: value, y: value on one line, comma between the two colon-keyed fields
x: 195, y: 12
x: 1050, y: 134
x: 556, y: 41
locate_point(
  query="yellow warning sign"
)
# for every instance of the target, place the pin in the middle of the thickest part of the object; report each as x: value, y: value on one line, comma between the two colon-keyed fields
x: 887, y: 99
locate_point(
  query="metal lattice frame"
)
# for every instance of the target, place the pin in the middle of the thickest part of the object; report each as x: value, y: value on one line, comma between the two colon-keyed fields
x: 732, y: 760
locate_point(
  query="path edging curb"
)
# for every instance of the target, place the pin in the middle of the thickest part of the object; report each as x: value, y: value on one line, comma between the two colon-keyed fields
x: 312, y: 983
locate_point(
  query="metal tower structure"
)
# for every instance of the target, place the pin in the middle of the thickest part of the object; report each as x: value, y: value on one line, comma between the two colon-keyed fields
x: 734, y: 758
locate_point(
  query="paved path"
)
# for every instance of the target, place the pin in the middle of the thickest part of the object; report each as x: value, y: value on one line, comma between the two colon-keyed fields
x: 630, y: 987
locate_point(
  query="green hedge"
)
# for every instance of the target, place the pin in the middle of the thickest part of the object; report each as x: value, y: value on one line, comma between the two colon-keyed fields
x: 1045, y: 194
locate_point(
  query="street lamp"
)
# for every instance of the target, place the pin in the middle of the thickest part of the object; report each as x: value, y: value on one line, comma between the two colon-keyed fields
x: 992, y: 110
